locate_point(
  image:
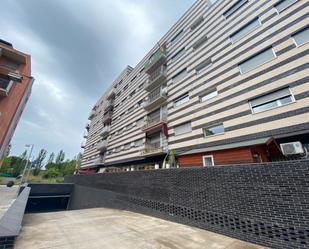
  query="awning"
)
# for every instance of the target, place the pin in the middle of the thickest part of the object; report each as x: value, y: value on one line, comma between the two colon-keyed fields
x: 228, y: 146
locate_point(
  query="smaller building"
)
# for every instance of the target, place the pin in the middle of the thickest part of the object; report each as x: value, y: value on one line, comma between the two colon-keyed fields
x: 15, y: 88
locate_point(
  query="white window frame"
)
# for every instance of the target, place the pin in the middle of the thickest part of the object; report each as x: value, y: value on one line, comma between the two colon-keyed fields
x: 183, y: 132
x: 292, y: 36
x: 240, y: 38
x: 255, y: 113
x: 208, y: 127
x: 207, y: 94
x: 278, y: 12
x: 275, y: 57
x: 183, y: 97
x: 212, y: 160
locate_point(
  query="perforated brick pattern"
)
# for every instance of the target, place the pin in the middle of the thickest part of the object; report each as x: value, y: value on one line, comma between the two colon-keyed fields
x: 267, y: 204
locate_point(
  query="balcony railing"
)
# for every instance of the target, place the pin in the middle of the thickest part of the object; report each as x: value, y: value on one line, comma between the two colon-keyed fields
x: 91, y: 115
x: 99, y: 160
x: 102, y: 146
x: 155, y: 99
x: 157, y: 59
x: 105, y: 131
x: 107, y: 118
x: 153, y: 122
x: 152, y: 149
x: 5, y: 86
x: 157, y: 77
x: 109, y: 105
x: 111, y: 95
x: 83, y: 145
x: 85, y: 135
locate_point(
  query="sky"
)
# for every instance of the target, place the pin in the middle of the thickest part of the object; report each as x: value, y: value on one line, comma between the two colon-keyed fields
x: 78, y: 48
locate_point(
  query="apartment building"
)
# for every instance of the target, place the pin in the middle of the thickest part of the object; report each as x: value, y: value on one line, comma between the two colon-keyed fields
x: 15, y: 88
x: 227, y: 84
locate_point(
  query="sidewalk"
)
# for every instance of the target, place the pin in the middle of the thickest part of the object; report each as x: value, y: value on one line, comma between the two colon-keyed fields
x: 7, y: 197
x: 115, y: 229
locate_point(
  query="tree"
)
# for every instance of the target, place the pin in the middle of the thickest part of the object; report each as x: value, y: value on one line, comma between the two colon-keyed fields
x: 60, y: 157
x: 51, y: 173
x: 51, y: 158
x: 39, y: 162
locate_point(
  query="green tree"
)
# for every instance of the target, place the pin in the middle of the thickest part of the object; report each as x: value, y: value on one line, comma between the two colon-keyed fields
x: 60, y: 157
x: 39, y: 162
x: 51, y: 158
x: 51, y: 173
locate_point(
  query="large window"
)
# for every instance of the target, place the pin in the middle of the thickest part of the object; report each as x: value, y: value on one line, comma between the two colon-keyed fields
x: 183, y: 99
x: 301, y: 37
x: 209, y: 95
x: 180, y: 53
x: 200, y: 42
x: 272, y: 100
x: 284, y: 4
x: 4, y: 82
x: 208, y: 161
x: 203, y: 66
x: 182, y: 129
x: 213, y: 130
x: 179, y: 76
x: 234, y: 8
x: 245, y: 30
x: 257, y: 60
x: 177, y: 36
x: 197, y: 22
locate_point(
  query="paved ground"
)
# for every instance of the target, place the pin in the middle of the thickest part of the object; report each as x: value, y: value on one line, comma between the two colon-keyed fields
x: 7, y: 196
x: 114, y: 229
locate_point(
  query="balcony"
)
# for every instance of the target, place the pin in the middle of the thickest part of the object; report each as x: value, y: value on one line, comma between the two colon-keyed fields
x: 83, y: 145
x: 87, y: 126
x: 91, y: 115
x: 156, y: 60
x: 5, y: 85
x: 109, y: 106
x: 155, y: 99
x: 102, y: 146
x: 107, y: 118
x: 152, y: 125
x: 111, y: 95
x: 85, y: 135
x: 105, y: 131
x: 151, y: 149
x: 156, y: 78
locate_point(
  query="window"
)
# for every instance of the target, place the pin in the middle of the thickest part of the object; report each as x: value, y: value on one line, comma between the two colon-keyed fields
x: 272, y: 100
x: 284, y: 4
x: 180, y: 53
x: 10, y: 64
x: 134, y: 78
x: 197, y: 22
x: 208, y: 161
x: 177, y: 36
x: 301, y: 37
x: 125, y: 87
x: 181, y: 100
x: 234, y: 8
x: 213, y: 130
x: 209, y: 95
x: 212, y: 1
x: 179, y: 76
x: 132, y: 93
x: 200, y: 42
x: 245, y: 30
x: 203, y: 66
x: 182, y: 129
x: 257, y: 60
x: 4, y: 82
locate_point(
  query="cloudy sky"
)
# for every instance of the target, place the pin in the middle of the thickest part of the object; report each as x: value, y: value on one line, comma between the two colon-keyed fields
x: 78, y: 47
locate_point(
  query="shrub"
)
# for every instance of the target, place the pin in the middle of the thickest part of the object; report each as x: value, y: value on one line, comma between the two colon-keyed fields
x: 51, y: 173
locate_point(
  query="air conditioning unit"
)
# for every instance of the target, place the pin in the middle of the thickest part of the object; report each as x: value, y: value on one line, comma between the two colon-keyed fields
x: 293, y: 148
x: 15, y: 77
x: 132, y: 144
x: 134, y: 124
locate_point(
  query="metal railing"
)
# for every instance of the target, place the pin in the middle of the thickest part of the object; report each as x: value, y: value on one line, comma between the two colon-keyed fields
x: 156, y: 94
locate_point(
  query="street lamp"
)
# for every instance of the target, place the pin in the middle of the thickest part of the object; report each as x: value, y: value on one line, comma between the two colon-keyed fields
x: 26, y: 166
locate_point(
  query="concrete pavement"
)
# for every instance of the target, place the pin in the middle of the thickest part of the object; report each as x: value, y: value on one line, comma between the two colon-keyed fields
x: 7, y: 197
x: 115, y: 229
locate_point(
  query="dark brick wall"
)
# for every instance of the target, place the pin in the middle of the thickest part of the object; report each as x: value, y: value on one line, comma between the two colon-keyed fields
x: 267, y: 204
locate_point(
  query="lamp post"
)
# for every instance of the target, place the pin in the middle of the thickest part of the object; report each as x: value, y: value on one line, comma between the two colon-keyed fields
x: 26, y: 166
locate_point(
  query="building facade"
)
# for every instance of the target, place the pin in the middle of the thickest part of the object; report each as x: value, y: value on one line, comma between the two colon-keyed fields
x: 15, y: 88
x: 227, y: 84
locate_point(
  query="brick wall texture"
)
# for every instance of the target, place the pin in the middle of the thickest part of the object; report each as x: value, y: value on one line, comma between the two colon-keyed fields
x: 266, y: 204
